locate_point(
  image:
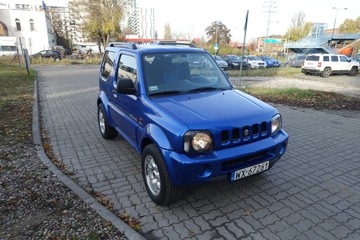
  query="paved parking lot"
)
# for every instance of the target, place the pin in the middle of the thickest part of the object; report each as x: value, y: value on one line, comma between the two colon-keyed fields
x: 313, y: 192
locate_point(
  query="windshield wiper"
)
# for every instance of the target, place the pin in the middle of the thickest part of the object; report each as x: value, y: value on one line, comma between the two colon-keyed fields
x: 163, y: 93
x: 201, y: 89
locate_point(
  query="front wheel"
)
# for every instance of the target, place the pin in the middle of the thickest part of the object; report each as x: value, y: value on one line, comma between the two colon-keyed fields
x: 353, y: 71
x: 326, y: 72
x: 156, y: 177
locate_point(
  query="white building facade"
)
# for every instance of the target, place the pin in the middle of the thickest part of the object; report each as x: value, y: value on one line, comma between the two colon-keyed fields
x: 28, y: 21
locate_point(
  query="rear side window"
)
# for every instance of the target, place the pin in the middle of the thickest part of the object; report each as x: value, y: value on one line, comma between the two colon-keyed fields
x: 107, y: 66
x: 312, y: 58
x: 334, y: 58
x: 326, y: 59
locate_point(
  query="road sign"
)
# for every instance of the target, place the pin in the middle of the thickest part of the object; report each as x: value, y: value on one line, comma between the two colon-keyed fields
x: 272, y: 40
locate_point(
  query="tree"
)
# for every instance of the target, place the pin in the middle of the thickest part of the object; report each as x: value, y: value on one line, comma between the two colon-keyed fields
x: 350, y: 26
x: 99, y: 19
x: 167, y: 32
x: 218, y: 33
x: 298, y: 28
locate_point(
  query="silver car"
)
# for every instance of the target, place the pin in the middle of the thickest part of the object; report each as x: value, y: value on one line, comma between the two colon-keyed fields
x: 223, y: 64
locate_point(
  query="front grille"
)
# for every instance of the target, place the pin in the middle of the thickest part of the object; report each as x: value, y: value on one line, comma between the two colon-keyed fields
x: 244, y: 134
x: 235, y: 163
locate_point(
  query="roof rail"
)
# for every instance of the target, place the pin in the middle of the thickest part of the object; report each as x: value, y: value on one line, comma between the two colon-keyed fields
x: 123, y: 44
x: 173, y: 43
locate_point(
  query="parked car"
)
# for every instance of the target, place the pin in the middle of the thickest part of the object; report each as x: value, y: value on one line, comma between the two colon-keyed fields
x: 234, y: 62
x: 255, y: 62
x: 296, y: 61
x: 189, y: 126
x: 328, y: 64
x: 270, y: 62
x: 54, y: 54
x: 222, y: 63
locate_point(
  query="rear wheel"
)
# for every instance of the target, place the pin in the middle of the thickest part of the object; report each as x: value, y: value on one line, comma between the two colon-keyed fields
x: 106, y: 130
x: 156, y: 177
x: 326, y: 72
x: 353, y: 71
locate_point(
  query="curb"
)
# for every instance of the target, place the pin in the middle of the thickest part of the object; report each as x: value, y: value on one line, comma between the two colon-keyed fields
x: 86, y: 197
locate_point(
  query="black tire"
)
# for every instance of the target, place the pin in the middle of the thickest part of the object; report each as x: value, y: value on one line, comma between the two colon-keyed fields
x: 156, y: 177
x: 106, y: 130
x: 326, y: 73
x: 353, y: 71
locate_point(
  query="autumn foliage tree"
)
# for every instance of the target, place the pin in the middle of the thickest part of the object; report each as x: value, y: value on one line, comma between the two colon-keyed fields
x: 218, y: 33
x: 350, y: 26
x: 298, y: 28
x: 99, y: 19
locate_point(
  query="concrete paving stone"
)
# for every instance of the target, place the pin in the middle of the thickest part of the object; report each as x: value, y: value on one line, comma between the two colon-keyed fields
x: 283, y: 212
x: 269, y: 219
x: 211, y: 234
x: 261, y: 213
x: 169, y: 233
x: 311, y: 234
x: 203, y: 225
x: 253, y: 222
x: 293, y: 218
x: 318, y: 175
x: 341, y: 232
x: 192, y: 226
x: 225, y: 233
x: 219, y: 221
x: 329, y: 224
x: 277, y: 226
x: 235, y: 230
x: 303, y: 225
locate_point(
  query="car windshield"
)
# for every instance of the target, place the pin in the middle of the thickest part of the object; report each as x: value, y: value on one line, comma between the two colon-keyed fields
x: 178, y: 73
x: 217, y: 58
x: 234, y: 57
x: 254, y: 58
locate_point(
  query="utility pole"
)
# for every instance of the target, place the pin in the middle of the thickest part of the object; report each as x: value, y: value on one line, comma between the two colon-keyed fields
x: 269, y: 9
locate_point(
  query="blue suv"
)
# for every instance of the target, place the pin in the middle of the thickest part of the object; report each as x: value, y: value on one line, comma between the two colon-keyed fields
x: 190, y: 125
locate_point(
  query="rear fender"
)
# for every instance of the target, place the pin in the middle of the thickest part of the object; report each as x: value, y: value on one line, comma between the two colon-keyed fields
x: 105, y: 101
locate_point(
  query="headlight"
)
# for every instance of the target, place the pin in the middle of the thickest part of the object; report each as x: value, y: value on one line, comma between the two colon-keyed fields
x: 198, y: 142
x: 276, y: 124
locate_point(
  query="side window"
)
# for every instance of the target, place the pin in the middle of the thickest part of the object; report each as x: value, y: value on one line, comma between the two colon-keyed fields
x: 326, y: 59
x: 127, y: 68
x: 107, y: 66
x: 343, y: 59
x: 334, y: 58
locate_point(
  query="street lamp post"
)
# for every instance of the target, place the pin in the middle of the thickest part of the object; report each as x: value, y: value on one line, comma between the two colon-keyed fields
x: 337, y: 9
x: 216, y: 45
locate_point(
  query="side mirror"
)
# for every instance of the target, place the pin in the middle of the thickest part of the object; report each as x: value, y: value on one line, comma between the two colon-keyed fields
x: 125, y: 86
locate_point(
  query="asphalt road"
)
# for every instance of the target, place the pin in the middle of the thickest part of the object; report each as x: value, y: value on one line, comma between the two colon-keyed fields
x: 313, y: 192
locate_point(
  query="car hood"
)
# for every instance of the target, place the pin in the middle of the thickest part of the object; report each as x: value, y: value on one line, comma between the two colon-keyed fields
x: 225, y: 108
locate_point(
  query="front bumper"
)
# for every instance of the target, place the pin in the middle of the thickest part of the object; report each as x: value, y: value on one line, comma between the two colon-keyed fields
x: 188, y: 170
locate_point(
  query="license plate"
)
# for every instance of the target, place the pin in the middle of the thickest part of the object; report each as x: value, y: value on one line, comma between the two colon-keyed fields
x: 245, y: 172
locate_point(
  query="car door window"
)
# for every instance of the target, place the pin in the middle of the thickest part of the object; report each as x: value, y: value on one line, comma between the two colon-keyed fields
x: 127, y: 68
x: 343, y: 59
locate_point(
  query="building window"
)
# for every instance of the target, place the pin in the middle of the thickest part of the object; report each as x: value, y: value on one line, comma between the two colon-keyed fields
x: 18, y: 25
x: 32, y: 27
